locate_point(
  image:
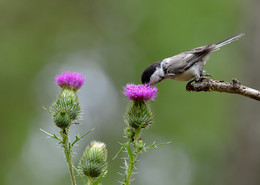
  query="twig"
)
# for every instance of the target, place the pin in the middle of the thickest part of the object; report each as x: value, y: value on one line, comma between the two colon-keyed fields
x: 234, y: 87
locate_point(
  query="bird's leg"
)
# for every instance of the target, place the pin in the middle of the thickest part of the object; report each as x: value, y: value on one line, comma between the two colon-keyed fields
x: 194, y: 80
x: 197, y: 79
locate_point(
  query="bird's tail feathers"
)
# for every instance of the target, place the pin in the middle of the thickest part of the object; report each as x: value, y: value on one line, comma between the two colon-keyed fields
x: 228, y: 40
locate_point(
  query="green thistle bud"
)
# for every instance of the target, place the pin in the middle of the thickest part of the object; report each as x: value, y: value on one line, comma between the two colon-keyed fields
x: 61, y: 119
x: 138, y: 114
x: 66, y: 108
x: 130, y: 133
x: 140, y: 144
x: 94, y: 160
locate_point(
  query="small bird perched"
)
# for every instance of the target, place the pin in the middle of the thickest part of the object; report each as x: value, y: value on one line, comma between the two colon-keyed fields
x: 186, y: 66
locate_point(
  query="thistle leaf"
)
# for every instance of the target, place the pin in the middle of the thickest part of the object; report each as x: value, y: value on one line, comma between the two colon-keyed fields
x: 130, y: 154
x: 121, y: 149
x: 51, y: 135
x: 79, y: 138
x: 156, y: 145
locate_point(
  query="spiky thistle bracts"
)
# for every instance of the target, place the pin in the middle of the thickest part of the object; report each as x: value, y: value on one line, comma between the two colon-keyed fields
x: 138, y: 114
x: 94, y: 160
x: 66, y: 109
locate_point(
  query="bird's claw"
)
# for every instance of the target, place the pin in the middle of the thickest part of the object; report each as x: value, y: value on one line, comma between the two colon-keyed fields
x: 207, y: 75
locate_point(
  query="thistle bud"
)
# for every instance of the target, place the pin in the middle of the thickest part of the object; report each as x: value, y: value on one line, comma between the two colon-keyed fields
x: 140, y: 144
x: 138, y: 114
x: 62, y: 119
x: 94, y: 160
x: 130, y: 133
x: 66, y: 108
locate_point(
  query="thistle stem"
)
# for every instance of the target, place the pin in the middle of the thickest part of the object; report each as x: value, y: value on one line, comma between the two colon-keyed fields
x: 134, y: 157
x: 90, y: 181
x: 130, y: 169
x: 67, y: 151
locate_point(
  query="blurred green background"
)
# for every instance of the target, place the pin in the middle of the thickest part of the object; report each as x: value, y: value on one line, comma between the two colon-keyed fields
x: 214, y: 135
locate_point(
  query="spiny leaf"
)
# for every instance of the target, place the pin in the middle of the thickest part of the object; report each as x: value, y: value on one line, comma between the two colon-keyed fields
x: 130, y: 154
x: 51, y: 135
x: 79, y: 138
x: 121, y: 149
x: 156, y: 145
x: 126, y: 166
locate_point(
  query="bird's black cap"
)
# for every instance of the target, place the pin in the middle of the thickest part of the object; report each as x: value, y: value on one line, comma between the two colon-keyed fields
x: 148, y: 72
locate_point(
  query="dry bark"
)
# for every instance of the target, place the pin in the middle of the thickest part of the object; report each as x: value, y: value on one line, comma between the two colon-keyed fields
x: 234, y: 87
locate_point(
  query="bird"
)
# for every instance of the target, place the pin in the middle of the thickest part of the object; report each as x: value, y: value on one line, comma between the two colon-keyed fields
x: 186, y: 66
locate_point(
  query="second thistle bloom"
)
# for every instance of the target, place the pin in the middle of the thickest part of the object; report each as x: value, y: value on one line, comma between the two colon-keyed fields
x: 140, y: 92
x: 138, y: 114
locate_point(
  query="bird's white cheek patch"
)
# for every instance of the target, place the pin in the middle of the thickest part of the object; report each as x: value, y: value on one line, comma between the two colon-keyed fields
x: 157, y: 76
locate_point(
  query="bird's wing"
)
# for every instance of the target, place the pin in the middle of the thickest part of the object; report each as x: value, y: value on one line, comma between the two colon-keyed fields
x: 183, y: 61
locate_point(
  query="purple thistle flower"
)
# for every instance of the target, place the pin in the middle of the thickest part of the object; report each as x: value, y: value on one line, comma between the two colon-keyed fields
x: 140, y: 92
x: 70, y: 80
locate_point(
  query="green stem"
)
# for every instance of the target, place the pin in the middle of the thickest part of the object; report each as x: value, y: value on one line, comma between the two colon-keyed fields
x: 135, y: 154
x: 130, y: 169
x: 90, y: 181
x: 67, y: 151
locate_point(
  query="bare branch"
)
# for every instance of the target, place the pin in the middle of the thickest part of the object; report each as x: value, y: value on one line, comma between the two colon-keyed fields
x: 206, y: 84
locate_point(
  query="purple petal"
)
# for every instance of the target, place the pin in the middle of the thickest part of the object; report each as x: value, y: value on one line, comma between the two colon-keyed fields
x: 140, y: 92
x: 70, y: 80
